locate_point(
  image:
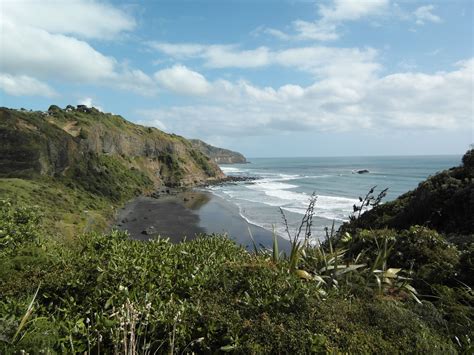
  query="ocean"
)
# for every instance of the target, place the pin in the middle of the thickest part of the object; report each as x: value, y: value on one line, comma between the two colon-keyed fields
x: 288, y: 183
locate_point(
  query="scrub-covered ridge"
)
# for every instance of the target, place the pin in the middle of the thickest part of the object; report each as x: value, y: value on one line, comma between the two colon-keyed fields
x: 78, y: 163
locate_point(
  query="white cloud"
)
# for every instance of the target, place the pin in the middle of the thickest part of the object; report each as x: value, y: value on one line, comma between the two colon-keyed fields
x: 330, y: 61
x: 350, y: 10
x: 425, y: 14
x: 224, y: 56
x: 33, y: 51
x: 273, y: 32
x: 318, y: 60
x: 134, y: 80
x: 320, y: 31
x: 36, y: 44
x: 181, y: 50
x: 182, y: 80
x: 22, y: 85
x: 215, y: 55
x: 88, y: 19
x: 331, y: 17
x: 88, y: 101
x: 441, y: 100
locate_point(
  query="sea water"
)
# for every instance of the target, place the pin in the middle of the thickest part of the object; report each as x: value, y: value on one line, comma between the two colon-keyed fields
x: 288, y: 183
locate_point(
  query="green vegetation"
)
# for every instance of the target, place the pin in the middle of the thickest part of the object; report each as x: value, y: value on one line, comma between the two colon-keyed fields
x: 397, y: 278
x: 105, y: 176
x: 443, y: 202
x: 171, y: 168
x: 66, y: 211
x: 110, y: 294
x: 429, y: 232
x: 201, y: 160
x: 382, y: 290
x: 79, y: 164
x: 52, y: 143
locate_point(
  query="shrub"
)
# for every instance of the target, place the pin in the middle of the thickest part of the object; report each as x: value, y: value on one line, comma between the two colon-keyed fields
x: 111, y: 294
x: 466, y: 262
x: 468, y: 159
x: 424, y: 251
x: 18, y: 225
x: 432, y: 258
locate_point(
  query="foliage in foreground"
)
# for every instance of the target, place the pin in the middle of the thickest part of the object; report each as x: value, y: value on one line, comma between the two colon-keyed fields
x: 110, y: 294
x: 443, y: 202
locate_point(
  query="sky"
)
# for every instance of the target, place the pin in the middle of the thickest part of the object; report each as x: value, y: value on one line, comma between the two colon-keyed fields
x: 267, y: 78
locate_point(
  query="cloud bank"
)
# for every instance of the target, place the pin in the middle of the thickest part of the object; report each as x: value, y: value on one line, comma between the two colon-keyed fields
x: 46, y: 41
x: 344, y: 97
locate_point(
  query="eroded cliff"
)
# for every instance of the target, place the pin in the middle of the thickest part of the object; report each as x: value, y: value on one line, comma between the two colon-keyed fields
x: 219, y: 155
x: 79, y: 142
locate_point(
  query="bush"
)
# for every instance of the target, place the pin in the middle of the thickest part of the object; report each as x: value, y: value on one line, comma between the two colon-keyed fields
x: 107, y: 176
x: 468, y: 159
x: 466, y: 262
x: 18, y: 225
x: 111, y: 294
x: 432, y: 259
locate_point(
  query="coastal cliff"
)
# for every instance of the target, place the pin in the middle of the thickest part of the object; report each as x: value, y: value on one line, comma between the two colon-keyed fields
x: 62, y: 143
x: 78, y: 164
x: 219, y: 155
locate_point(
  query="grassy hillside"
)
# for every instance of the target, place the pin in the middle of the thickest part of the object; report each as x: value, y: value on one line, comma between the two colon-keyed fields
x: 50, y: 143
x: 78, y: 163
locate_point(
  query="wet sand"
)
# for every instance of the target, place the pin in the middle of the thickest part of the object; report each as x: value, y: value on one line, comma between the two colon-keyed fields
x: 187, y: 214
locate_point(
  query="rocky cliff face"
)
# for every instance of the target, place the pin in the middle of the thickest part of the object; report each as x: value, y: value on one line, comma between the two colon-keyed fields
x: 219, y: 155
x: 65, y: 142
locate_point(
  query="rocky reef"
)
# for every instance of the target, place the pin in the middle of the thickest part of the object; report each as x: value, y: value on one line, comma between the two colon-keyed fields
x: 219, y: 155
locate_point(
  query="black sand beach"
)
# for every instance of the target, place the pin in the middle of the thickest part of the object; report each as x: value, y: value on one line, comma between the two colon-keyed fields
x: 185, y: 215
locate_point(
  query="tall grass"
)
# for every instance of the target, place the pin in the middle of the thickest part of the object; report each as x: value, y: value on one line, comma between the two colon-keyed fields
x: 26, y: 316
x: 330, y: 268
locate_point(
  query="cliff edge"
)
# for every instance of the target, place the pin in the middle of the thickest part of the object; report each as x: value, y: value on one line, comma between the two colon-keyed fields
x: 77, y: 142
x: 218, y: 155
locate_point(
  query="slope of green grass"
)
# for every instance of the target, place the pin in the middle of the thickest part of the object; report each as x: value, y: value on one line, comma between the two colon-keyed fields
x: 66, y: 210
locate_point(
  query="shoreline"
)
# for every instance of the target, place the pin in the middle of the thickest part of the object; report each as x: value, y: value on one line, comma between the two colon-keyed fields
x: 185, y: 214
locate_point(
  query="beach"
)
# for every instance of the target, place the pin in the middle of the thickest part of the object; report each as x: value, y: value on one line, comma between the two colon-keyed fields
x: 184, y: 215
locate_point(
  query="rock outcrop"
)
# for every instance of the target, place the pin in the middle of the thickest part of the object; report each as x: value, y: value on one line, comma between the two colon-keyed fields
x: 66, y: 142
x: 219, y: 155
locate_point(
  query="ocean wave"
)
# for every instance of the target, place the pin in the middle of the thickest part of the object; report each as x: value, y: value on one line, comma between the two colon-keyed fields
x: 317, y: 176
x: 276, y: 190
x: 335, y: 202
x: 249, y: 221
x: 229, y: 169
x: 285, y: 195
x: 284, y: 177
x: 280, y: 194
x: 270, y: 185
x: 328, y: 207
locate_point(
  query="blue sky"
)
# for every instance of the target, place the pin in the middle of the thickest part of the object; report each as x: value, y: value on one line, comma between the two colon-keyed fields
x: 266, y: 78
